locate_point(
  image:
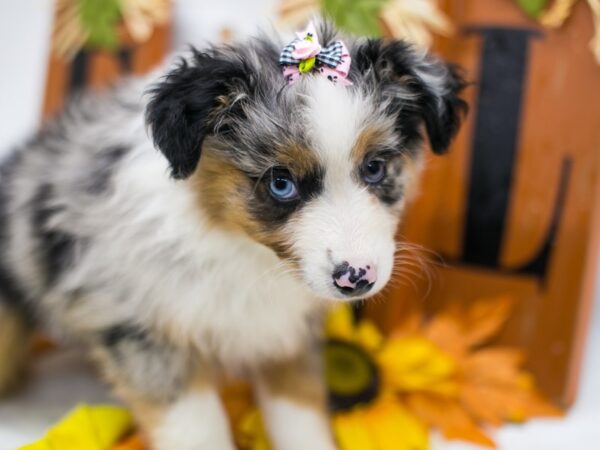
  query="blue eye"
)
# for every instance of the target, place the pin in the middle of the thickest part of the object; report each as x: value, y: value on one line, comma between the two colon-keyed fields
x: 374, y: 171
x: 283, y: 187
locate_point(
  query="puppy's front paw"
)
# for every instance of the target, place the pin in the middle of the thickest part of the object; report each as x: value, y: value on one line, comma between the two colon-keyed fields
x: 297, y: 427
x: 188, y: 441
x: 195, y: 422
x: 192, y: 434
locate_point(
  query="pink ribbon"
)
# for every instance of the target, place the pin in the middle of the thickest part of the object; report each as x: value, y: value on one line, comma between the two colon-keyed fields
x: 332, y: 62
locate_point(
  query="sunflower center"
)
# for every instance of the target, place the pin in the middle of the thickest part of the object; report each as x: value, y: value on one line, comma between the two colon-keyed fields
x: 352, y: 376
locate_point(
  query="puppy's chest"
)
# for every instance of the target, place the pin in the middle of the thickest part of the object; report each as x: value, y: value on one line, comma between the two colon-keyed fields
x: 242, y: 306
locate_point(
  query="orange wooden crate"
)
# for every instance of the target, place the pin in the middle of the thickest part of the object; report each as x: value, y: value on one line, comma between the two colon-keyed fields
x: 515, y: 207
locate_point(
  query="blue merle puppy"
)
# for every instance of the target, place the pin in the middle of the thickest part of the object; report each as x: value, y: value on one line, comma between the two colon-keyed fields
x: 195, y: 224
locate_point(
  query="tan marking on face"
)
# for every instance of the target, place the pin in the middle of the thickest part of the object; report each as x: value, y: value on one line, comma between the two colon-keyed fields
x: 299, y: 159
x: 369, y: 138
x: 224, y: 193
x: 373, y: 137
x: 222, y: 190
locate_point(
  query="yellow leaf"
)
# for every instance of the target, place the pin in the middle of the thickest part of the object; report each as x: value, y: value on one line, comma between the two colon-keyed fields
x: 86, y: 428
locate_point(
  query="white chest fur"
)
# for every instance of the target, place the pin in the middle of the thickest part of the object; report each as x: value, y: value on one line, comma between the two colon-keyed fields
x: 243, y: 307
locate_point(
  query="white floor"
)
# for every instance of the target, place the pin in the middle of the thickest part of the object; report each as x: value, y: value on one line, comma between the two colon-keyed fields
x: 62, y: 380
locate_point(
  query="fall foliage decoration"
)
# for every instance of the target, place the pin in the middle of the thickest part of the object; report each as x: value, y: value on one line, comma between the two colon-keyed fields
x: 553, y: 14
x: 417, y: 21
x: 413, y: 20
x: 100, y: 23
x: 560, y: 11
x: 480, y: 385
x: 532, y: 8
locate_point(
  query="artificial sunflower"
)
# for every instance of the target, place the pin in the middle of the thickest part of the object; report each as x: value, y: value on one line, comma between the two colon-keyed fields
x: 360, y: 372
x: 440, y: 373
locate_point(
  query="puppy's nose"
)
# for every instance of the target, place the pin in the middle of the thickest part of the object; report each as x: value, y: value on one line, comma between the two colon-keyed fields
x: 356, y: 278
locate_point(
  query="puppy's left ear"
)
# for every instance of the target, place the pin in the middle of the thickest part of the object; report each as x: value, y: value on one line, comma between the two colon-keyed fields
x: 185, y: 106
x: 415, y: 83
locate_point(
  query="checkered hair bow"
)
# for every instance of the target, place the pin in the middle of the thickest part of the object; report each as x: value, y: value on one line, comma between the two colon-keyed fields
x: 305, y: 54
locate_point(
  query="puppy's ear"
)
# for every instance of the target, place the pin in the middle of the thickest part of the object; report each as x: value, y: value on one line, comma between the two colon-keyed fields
x: 415, y: 83
x: 185, y: 106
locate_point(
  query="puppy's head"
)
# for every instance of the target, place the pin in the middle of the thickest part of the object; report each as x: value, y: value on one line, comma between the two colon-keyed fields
x: 318, y: 172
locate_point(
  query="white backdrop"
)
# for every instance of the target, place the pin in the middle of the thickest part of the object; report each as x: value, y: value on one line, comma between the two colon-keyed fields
x: 61, y: 381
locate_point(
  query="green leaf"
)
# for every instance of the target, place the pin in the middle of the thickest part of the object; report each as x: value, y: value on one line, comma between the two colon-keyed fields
x: 532, y: 8
x: 355, y: 16
x: 100, y: 19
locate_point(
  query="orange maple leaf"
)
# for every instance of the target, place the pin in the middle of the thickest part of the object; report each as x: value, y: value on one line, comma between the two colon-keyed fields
x: 491, y: 386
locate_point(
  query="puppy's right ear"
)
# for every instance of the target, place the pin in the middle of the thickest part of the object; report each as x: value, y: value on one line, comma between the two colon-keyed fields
x: 433, y: 87
x: 185, y: 105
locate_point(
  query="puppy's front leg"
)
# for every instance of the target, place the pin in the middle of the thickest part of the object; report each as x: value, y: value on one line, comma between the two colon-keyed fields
x: 174, y: 401
x: 195, y: 421
x: 293, y: 401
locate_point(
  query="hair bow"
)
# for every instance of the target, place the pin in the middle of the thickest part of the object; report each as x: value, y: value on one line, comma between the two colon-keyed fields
x: 305, y: 54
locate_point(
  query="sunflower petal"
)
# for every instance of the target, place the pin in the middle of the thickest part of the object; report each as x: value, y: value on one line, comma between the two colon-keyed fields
x: 368, y: 335
x: 340, y: 323
x: 351, y: 431
x: 411, y: 364
x: 393, y: 427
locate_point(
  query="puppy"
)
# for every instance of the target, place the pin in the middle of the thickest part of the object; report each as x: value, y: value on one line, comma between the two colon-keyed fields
x: 195, y: 225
